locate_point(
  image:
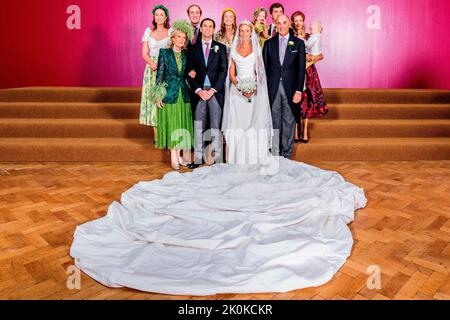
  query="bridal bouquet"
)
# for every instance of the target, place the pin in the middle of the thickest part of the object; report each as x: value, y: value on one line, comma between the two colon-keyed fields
x: 247, y: 85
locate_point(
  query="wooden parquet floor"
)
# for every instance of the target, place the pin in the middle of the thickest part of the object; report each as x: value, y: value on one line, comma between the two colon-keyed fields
x: 404, y: 231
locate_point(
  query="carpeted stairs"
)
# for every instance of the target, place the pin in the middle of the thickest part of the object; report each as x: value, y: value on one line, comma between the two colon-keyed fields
x: 101, y: 124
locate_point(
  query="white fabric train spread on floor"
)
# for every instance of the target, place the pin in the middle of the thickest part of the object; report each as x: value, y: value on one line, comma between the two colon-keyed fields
x: 223, y: 229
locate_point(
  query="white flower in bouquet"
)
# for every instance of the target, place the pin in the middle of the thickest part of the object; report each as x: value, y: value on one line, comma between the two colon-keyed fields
x: 247, y: 85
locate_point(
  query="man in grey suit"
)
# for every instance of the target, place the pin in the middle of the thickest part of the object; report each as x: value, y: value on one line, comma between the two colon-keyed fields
x: 285, y: 61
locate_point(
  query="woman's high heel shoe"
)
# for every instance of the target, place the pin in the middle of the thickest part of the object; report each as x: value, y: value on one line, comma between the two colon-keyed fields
x: 183, y: 163
x: 175, y: 166
x: 304, y: 141
x: 301, y: 140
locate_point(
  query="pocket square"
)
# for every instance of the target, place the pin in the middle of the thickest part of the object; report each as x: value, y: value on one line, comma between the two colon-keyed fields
x: 294, y: 51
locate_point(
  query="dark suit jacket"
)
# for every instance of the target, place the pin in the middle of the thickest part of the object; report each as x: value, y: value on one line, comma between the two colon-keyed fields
x: 292, y: 71
x: 216, y: 69
x: 168, y: 73
x: 189, y: 50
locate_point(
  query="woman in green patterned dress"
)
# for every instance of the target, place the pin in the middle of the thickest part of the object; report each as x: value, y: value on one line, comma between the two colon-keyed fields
x: 154, y: 39
x: 174, y: 114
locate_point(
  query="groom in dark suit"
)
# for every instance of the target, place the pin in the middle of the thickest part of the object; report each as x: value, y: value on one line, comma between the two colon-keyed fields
x: 208, y: 58
x: 285, y: 61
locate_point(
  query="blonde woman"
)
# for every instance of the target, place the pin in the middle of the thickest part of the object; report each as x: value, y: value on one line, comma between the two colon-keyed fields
x: 227, y: 30
x: 174, y: 114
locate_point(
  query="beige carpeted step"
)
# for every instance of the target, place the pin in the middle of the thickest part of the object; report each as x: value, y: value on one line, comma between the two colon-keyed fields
x: 388, y: 111
x: 69, y: 110
x: 64, y: 149
x: 130, y: 128
x: 374, y: 149
x: 101, y: 124
x: 130, y: 94
x: 74, y: 128
x: 130, y: 110
x: 70, y: 94
x: 67, y: 149
x: 324, y: 129
x: 397, y: 96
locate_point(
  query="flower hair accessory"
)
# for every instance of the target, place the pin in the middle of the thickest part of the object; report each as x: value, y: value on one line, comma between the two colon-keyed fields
x: 160, y: 6
x: 183, y: 26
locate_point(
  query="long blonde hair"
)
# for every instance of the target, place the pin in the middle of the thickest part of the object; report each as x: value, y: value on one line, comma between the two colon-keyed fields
x: 222, y: 24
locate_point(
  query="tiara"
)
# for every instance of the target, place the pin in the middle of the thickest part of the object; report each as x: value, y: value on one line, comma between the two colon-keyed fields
x: 246, y: 22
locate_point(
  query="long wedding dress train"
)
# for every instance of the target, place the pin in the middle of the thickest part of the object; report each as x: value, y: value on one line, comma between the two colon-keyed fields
x: 223, y: 229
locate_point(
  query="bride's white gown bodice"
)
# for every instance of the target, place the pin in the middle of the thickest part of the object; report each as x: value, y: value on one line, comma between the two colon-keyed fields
x: 225, y: 228
x: 245, y: 66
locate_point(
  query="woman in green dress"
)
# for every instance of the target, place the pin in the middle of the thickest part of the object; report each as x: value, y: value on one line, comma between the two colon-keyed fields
x: 154, y: 38
x: 174, y: 114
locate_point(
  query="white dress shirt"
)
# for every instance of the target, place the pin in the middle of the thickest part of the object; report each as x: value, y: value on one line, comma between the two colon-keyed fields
x: 286, y: 37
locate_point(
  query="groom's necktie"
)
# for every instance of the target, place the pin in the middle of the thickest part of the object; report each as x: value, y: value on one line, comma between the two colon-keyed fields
x: 282, y: 49
x: 207, y: 51
x: 207, y: 82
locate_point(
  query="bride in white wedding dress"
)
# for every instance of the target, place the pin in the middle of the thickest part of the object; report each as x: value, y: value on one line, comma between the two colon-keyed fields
x: 247, y: 120
x: 257, y: 225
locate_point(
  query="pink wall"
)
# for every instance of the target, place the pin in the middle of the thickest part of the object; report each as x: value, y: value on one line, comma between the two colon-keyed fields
x: 412, y: 49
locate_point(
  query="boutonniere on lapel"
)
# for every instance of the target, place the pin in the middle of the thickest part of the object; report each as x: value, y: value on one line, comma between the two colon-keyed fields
x: 291, y: 45
x: 216, y: 48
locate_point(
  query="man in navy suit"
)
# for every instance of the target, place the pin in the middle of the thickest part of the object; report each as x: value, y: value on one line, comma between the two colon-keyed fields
x: 285, y: 61
x: 208, y: 58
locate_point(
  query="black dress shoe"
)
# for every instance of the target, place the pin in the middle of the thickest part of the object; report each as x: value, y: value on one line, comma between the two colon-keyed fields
x: 193, y: 165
